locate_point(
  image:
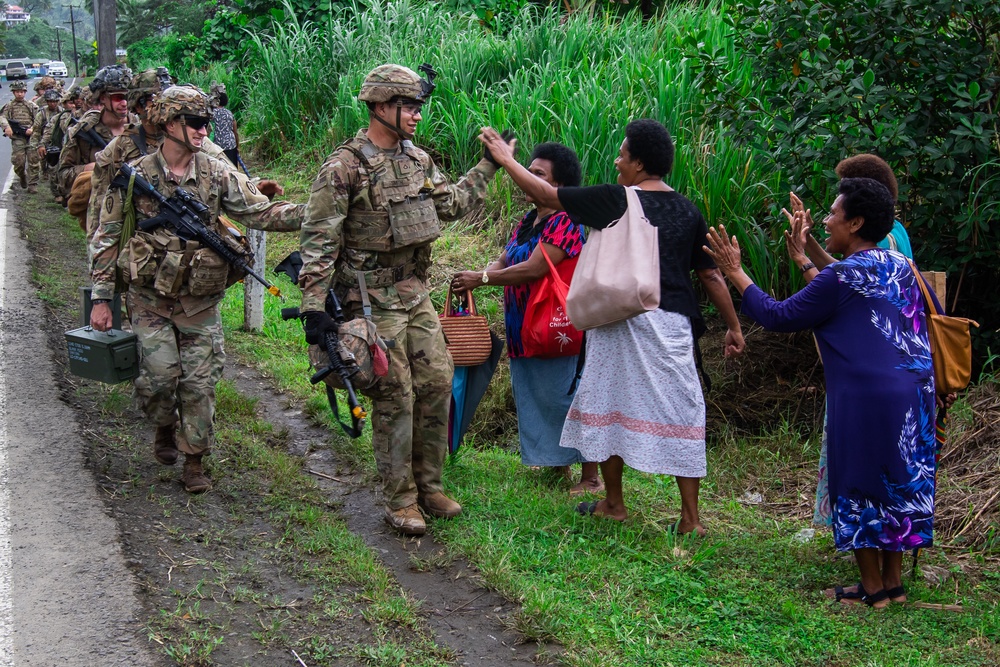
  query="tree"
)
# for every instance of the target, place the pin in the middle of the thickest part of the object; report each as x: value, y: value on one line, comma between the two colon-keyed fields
x: 914, y: 81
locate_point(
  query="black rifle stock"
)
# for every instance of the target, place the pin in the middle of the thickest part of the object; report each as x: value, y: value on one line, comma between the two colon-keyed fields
x: 331, y: 345
x: 182, y: 213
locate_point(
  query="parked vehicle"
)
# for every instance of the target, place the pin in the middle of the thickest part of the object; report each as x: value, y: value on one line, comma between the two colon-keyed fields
x: 16, y: 70
x: 56, y: 68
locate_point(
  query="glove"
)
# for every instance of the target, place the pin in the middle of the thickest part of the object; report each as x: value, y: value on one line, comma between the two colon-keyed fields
x: 316, y: 324
x: 507, y: 135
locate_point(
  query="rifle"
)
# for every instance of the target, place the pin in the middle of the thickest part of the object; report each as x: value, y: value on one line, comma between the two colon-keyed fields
x: 92, y: 138
x: 331, y: 344
x: 18, y: 129
x: 183, y: 214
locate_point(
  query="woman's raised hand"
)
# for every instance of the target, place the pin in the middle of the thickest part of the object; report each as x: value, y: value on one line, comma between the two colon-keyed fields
x: 723, y: 249
x: 797, y: 237
x: 499, y: 149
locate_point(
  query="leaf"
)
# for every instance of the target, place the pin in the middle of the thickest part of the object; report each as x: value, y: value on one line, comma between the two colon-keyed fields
x: 973, y: 89
x: 796, y: 68
x: 868, y: 79
x: 823, y: 43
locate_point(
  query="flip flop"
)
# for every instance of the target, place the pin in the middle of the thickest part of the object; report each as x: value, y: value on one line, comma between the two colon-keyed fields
x: 840, y: 594
x: 587, y: 508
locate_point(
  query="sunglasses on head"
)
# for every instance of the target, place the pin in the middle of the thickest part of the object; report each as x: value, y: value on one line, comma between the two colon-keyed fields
x: 196, y: 122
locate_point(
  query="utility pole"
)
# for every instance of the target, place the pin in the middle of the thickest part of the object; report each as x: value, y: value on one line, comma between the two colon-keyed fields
x: 58, y: 46
x: 72, y: 24
x: 105, y: 21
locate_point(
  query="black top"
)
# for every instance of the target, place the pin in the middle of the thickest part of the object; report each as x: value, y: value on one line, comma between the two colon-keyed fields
x: 681, y: 230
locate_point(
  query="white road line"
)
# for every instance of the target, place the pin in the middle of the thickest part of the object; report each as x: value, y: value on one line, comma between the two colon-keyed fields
x: 6, y: 189
x: 6, y: 563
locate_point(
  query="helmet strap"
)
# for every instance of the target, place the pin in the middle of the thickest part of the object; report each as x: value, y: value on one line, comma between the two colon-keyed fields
x: 398, y: 127
x: 186, y: 143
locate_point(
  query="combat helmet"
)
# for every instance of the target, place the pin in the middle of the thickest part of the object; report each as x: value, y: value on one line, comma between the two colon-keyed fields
x: 146, y: 83
x: 175, y: 103
x: 396, y: 82
x: 72, y: 95
x: 52, y: 94
x: 45, y: 83
x: 18, y: 85
x: 388, y: 81
x: 111, y: 79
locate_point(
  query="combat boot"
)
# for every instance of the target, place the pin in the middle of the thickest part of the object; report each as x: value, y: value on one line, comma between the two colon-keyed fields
x: 439, y: 505
x: 164, y: 445
x: 24, y: 181
x: 194, y: 477
x: 32, y: 190
x: 406, y: 520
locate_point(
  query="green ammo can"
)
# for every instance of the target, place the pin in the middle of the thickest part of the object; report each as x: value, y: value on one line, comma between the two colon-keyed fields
x: 111, y: 356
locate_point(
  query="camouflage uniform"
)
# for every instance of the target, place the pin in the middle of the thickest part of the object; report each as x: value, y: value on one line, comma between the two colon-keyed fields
x: 348, y: 229
x: 179, y: 327
x: 23, y: 112
x: 81, y: 146
x: 38, y: 135
x: 134, y: 142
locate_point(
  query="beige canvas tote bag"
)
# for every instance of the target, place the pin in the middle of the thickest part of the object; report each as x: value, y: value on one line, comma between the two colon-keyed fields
x: 618, y: 275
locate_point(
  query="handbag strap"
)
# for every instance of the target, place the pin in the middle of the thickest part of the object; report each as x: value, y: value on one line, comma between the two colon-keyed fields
x: 924, y: 289
x: 561, y: 288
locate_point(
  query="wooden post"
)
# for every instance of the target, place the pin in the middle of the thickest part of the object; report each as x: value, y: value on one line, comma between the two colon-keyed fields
x: 253, y: 291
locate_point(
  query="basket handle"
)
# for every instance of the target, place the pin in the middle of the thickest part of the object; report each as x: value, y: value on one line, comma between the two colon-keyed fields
x: 468, y: 295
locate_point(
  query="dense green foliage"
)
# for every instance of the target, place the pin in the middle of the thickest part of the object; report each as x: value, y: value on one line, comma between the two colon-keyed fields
x: 576, y: 79
x: 914, y: 81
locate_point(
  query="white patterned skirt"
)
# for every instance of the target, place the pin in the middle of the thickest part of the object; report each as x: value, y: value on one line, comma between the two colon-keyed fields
x: 640, y: 397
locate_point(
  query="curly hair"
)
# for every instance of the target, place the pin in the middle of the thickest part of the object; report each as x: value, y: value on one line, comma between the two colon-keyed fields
x: 871, y: 166
x: 565, y: 164
x: 868, y: 199
x: 650, y: 143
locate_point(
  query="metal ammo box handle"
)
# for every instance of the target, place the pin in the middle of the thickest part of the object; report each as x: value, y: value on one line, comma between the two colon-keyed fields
x: 110, y: 333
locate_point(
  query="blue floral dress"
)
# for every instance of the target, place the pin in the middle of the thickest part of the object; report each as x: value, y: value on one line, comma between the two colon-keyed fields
x: 868, y: 316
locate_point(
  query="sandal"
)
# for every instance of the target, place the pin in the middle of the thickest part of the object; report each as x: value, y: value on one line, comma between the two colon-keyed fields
x: 874, y: 598
x: 840, y: 594
x: 587, y: 508
x: 897, y: 592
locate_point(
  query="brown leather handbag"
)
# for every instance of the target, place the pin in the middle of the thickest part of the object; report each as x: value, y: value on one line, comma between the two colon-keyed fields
x: 466, y: 332
x: 951, y: 343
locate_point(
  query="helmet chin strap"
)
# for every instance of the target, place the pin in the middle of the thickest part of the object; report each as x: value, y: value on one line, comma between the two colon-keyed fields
x: 397, y: 128
x: 186, y: 143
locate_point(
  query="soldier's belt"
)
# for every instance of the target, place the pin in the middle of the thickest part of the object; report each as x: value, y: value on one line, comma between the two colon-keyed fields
x: 383, y: 277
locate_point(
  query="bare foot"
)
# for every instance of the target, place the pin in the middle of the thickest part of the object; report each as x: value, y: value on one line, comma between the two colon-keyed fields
x: 594, y: 485
x: 602, y: 509
x: 683, y: 528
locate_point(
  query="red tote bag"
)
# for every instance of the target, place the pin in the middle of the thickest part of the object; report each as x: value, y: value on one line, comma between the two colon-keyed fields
x: 547, y: 331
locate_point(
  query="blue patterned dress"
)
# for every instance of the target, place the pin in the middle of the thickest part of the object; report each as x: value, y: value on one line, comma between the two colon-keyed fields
x: 868, y: 316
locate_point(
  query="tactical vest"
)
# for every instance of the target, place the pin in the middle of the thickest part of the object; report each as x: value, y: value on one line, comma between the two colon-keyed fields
x: 402, y: 214
x: 20, y: 112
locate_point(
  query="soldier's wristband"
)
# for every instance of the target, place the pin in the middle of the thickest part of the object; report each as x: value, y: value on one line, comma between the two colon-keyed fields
x: 97, y: 301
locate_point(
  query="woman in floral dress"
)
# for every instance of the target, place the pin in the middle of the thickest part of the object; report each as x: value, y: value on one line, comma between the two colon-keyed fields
x: 868, y: 316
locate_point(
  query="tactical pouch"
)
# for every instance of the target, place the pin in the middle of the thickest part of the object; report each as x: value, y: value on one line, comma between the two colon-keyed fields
x: 138, y: 262
x: 208, y: 273
x: 52, y: 155
x: 170, y: 274
x: 414, y: 221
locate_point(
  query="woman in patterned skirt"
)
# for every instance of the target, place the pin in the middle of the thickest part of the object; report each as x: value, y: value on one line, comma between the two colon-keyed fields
x: 868, y: 316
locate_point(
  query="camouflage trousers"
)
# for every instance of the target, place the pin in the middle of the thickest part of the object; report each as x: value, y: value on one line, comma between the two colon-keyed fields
x: 21, y: 157
x: 410, y: 405
x: 181, y: 360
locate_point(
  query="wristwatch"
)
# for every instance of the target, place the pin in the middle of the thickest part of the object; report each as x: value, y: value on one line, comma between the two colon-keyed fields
x: 486, y: 277
x: 808, y: 265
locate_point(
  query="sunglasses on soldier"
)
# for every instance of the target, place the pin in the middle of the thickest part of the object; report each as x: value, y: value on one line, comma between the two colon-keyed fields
x: 196, y: 122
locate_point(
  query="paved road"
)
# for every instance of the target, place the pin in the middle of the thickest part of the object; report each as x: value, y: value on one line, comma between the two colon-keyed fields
x: 66, y: 597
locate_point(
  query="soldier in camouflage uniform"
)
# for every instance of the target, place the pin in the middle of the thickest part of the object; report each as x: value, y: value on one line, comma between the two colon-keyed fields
x: 55, y: 131
x: 22, y: 112
x: 42, y: 85
x: 96, y: 128
x: 47, y: 113
x: 374, y: 210
x: 174, y: 286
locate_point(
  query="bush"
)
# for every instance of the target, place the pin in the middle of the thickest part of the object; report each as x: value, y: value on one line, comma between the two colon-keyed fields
x: 146, y: 53
x: 914, y: 81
